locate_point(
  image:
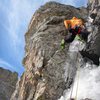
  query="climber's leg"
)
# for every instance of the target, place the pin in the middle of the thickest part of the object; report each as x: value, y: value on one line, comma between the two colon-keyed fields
x: 70, y: 37
x: 84, y: 35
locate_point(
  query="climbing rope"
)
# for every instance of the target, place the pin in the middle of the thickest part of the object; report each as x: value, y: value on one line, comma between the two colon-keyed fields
x: 72, y: 91
x: 78, y: 75
x: 77, y: 86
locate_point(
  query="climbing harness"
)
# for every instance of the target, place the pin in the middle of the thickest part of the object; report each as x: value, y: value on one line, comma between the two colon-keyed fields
x: 78, y: 31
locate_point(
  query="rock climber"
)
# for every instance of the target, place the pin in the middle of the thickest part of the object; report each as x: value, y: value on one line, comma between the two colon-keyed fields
x: 75, y: 27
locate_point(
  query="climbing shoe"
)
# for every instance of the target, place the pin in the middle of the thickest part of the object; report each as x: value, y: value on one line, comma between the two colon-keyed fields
x: 62, y: 44
x: 91, y: 56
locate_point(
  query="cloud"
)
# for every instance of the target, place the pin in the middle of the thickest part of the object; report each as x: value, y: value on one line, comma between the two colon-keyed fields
x: 68, y: 2
x: 76, y: 3
x: 6, y: 65
x: 14, y: 23
x: 19, y: 14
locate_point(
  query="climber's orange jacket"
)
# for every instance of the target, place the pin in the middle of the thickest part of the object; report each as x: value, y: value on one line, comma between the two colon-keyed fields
x: 73, y: 22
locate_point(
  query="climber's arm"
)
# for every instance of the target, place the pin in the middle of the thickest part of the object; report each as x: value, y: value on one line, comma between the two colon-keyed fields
x: 69, y: 38
x: 67, y: 23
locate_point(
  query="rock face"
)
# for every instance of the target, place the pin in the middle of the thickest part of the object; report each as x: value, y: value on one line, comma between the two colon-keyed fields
x: 94, y: 42
x: 7, y: 83
x: 44, y: 61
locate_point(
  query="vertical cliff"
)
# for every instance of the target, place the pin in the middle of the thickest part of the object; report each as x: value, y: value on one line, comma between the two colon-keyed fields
x: 93, y: 45
x: 44, y: 61
x: 7, y: 83
x: 47, y: 75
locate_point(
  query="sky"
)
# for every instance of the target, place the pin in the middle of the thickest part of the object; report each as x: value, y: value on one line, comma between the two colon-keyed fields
x: 15, y: 16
